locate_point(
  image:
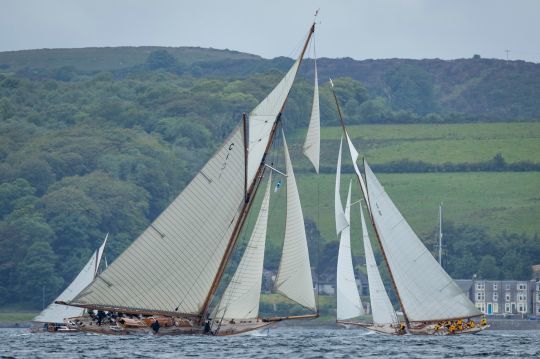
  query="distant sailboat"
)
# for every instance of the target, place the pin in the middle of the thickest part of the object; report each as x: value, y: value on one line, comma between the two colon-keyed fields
x: 55, y: 314
x: 349, y: 305
x: 432, y: 303
x: 168, y: 278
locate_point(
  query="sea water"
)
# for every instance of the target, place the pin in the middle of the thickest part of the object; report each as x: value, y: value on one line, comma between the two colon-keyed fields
x: 280, y: 342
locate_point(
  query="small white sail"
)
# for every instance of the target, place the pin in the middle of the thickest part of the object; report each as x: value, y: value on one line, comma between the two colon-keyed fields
x: 381, y: 307
x: 56, y: 313
x: 354, y: 157
x: 349, y: 304
x: 294, y: 274
x: 312, y: 144
x: 427, y: 292
x: 341, y: 222
x: 242, y: 296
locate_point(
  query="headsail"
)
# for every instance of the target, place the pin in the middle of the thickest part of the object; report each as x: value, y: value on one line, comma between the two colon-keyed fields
x: 312, y: 144
x: 427, y: 292
x: 56, y: 313
x: 381, y: 307
x: 294, y: 274
x: 341, y: 222
x: 241, y: 298
x: 349, y: 304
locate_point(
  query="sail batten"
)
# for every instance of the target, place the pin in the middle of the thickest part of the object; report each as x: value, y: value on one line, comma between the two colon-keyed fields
x: 312, y: 144
x: 381, y: 307
x: 348, y: 300
x: 294, y: 279
x: 426, y: 291
x: 56, y: 313
x: 241, y: 298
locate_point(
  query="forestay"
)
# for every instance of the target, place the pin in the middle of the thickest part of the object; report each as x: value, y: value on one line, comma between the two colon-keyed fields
x: 294, y: 279
x: 349, y: 304
x: 241, y: 298
x: 56, y: 313
x: 427, y: 292
x: 381, y: 307
x: 170, y: 268
x: 312, y: 144
x: 341, y: 222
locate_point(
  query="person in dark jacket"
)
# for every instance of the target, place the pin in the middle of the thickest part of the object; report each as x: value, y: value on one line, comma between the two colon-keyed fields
x: 155, y: 326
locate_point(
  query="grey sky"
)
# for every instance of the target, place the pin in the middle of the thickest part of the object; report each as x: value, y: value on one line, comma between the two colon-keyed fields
x: 355, y: 28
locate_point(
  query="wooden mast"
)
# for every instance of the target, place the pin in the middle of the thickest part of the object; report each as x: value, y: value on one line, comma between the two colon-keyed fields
x: 251, y: 193
x: 366, y: 198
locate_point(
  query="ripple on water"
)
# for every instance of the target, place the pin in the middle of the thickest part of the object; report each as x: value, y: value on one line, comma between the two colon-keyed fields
x: 282, y: 343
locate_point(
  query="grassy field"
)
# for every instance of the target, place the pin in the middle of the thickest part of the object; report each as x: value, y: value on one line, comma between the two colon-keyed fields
x: 455, y: 143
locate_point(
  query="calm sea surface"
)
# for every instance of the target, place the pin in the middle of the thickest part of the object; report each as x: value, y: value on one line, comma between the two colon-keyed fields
x: 289, y: 342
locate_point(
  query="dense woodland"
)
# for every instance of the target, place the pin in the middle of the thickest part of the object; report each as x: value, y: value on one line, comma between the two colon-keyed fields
x: 101, y: 140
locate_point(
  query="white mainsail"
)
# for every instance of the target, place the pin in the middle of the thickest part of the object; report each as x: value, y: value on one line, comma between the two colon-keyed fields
x: 381, y: 307
x: 175, y: 260
x: 293, y: 279
x: 312, y: 144
x: 172, y: 266
x: 56, y: 313
x: 341, y: 222
x: 349, y: 304
x: 427, y: 292
x: 241, y: 298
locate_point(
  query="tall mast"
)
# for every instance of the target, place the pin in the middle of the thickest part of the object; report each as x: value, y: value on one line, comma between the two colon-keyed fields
x: 251, y: 193
x: 366, y: 199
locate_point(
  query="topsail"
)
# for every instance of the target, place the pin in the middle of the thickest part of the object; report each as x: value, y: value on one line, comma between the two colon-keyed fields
x: 312, y: 144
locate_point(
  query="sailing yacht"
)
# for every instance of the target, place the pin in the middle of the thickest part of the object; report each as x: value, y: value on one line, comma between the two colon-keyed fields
x: 349, y: 304
x: 431, y: 302
x: 167, y: 280
x: 54, y: 315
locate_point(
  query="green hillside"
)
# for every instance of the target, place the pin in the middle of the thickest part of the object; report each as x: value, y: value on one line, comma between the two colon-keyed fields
x: 109, y: 58
x: 96, y: 141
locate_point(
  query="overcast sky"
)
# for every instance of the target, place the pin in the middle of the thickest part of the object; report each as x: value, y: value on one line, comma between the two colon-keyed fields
x: 360, y: 29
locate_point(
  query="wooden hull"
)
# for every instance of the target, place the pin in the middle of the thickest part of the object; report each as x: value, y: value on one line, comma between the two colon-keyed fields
x: 418, y: 330
x: 430, y: 330
x: 168, y: 326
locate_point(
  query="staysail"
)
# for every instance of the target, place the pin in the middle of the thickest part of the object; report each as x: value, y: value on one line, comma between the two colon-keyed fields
x: 349, y: 304
x: 341, y: 222
x: 241, y: 298
x: 381, y: 307
x: 56, y: 313
x: 312, y: 144
x: 173, y: 267
x: 293, y: 279
x: 427, y: 292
